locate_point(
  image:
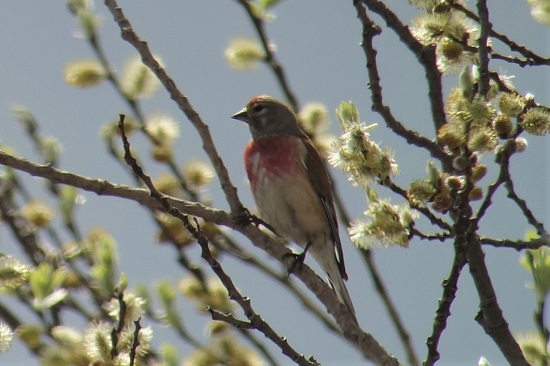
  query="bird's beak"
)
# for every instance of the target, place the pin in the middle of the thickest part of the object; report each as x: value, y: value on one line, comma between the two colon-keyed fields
x: 241, y: 115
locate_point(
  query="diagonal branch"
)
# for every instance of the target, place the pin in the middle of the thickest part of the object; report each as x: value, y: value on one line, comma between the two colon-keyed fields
x: 532, y: 58
x: 128, y: 34
x: 443, y: 312
x: 234, y: 294
x: 351, y: 331
x: 518, y: 245
x: 490, y: 315
x: 505, y: 178
x: 370, y: 30
x: 425, y: 55
x: 270, y: 57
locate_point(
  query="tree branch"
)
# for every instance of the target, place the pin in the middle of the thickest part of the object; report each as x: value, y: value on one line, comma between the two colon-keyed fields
x: 483, y: 52
x: 128, y: 34
x: 425, y: 55
x: 443, y: 312
x: 270, y: 57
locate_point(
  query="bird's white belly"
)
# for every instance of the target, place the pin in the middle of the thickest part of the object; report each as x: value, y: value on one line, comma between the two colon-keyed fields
x: 289, y: 204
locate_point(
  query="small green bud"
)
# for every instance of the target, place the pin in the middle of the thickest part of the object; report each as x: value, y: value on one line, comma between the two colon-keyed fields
x: 475, y: 194
x: 466, y: 81
x: 442, y: 201
x: 138, y: 81
x: 347, y: 114
x: 420, y: 191
x: 198, y: 173
x: 25, y: 117
x: 434, y: 175
x: 313, y: 118
x: 244, y: 53
x: 503, y: 126
x: 37, y: 213
x: 478, y: 172
x: 536, y: 121
x: 520, y: 144
x: 451, y: 135
x: 451, y: 49
x: 84, y: 73
x: 50, y: 149
x: 511, y: 104
x: 454, y: 183
x: 460, y: 163
x: 89, y: 22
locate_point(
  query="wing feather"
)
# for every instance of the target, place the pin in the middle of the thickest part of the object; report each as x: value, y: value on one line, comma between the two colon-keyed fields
x: 315, y: 167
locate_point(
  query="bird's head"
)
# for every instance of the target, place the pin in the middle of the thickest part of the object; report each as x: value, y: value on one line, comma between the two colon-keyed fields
x: 266, y: 115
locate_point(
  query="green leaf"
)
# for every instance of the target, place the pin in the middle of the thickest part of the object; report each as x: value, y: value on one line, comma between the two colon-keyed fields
x: 40, y: 280
x: 538, y: 263
x: 267, y: 4
x: 434, y: 175
x: 167, y: 294
x: 347, y: 114
x: 104, y: 268
x: 169, y: 355
x: 68, y: 202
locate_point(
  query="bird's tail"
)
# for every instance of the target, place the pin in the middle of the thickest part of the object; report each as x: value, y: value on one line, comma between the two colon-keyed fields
x: 337, y: 283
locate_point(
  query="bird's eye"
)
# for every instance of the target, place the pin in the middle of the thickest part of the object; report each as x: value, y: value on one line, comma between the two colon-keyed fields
x: 257, y: 108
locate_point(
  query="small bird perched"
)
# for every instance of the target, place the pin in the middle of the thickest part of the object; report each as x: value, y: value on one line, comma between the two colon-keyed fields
x: 291, y: 187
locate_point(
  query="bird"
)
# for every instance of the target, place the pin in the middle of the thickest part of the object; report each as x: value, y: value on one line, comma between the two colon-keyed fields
x: 292, y: 189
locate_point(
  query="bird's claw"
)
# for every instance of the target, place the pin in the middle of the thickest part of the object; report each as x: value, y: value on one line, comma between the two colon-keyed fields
x: 246, y: 218
x: 243, y: 218
x: 297, y: 260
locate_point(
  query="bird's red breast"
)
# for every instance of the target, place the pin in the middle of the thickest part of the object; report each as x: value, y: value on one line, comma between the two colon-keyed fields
x: 274, y: 155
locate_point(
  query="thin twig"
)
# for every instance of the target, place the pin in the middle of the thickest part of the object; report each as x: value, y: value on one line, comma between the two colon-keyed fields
x: 432, y: 237
x: 490, y: 315
x: 483, y: 52
x: 443, y: 312
x: 270, y: 57
x: 216, y: 267
x: 370, y: 30
x: 135, y: 342
x: 425, y: 55
x: 505, y: 178
x: 532, y: 58
x: 434, y: 220
x: 229, y: 319
x: 380, y: 287
x: 128, y: 34
x: 404, y: 336
x: 519, y: 245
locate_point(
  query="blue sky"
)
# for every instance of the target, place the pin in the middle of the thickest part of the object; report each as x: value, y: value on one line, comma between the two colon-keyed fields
x: 318, y: 44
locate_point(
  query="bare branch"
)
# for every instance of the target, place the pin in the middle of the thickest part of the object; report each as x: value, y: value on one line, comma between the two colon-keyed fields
x: 505, y: 178
x: 518, y: 245
x: 230, y: 319
x: 206, y: 254
x: 135, y: 342
x: 443, y: 312
x: 532, y: 59
x: 425, y: 55
x: 483, y: 52
x: 128, y: 34
x: 270, y: 57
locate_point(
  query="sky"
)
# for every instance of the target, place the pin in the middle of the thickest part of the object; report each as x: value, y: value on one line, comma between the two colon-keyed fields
x: 318, y: 44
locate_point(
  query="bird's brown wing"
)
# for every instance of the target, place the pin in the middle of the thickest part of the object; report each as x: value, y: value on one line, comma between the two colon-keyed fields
x: 315, y: 167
